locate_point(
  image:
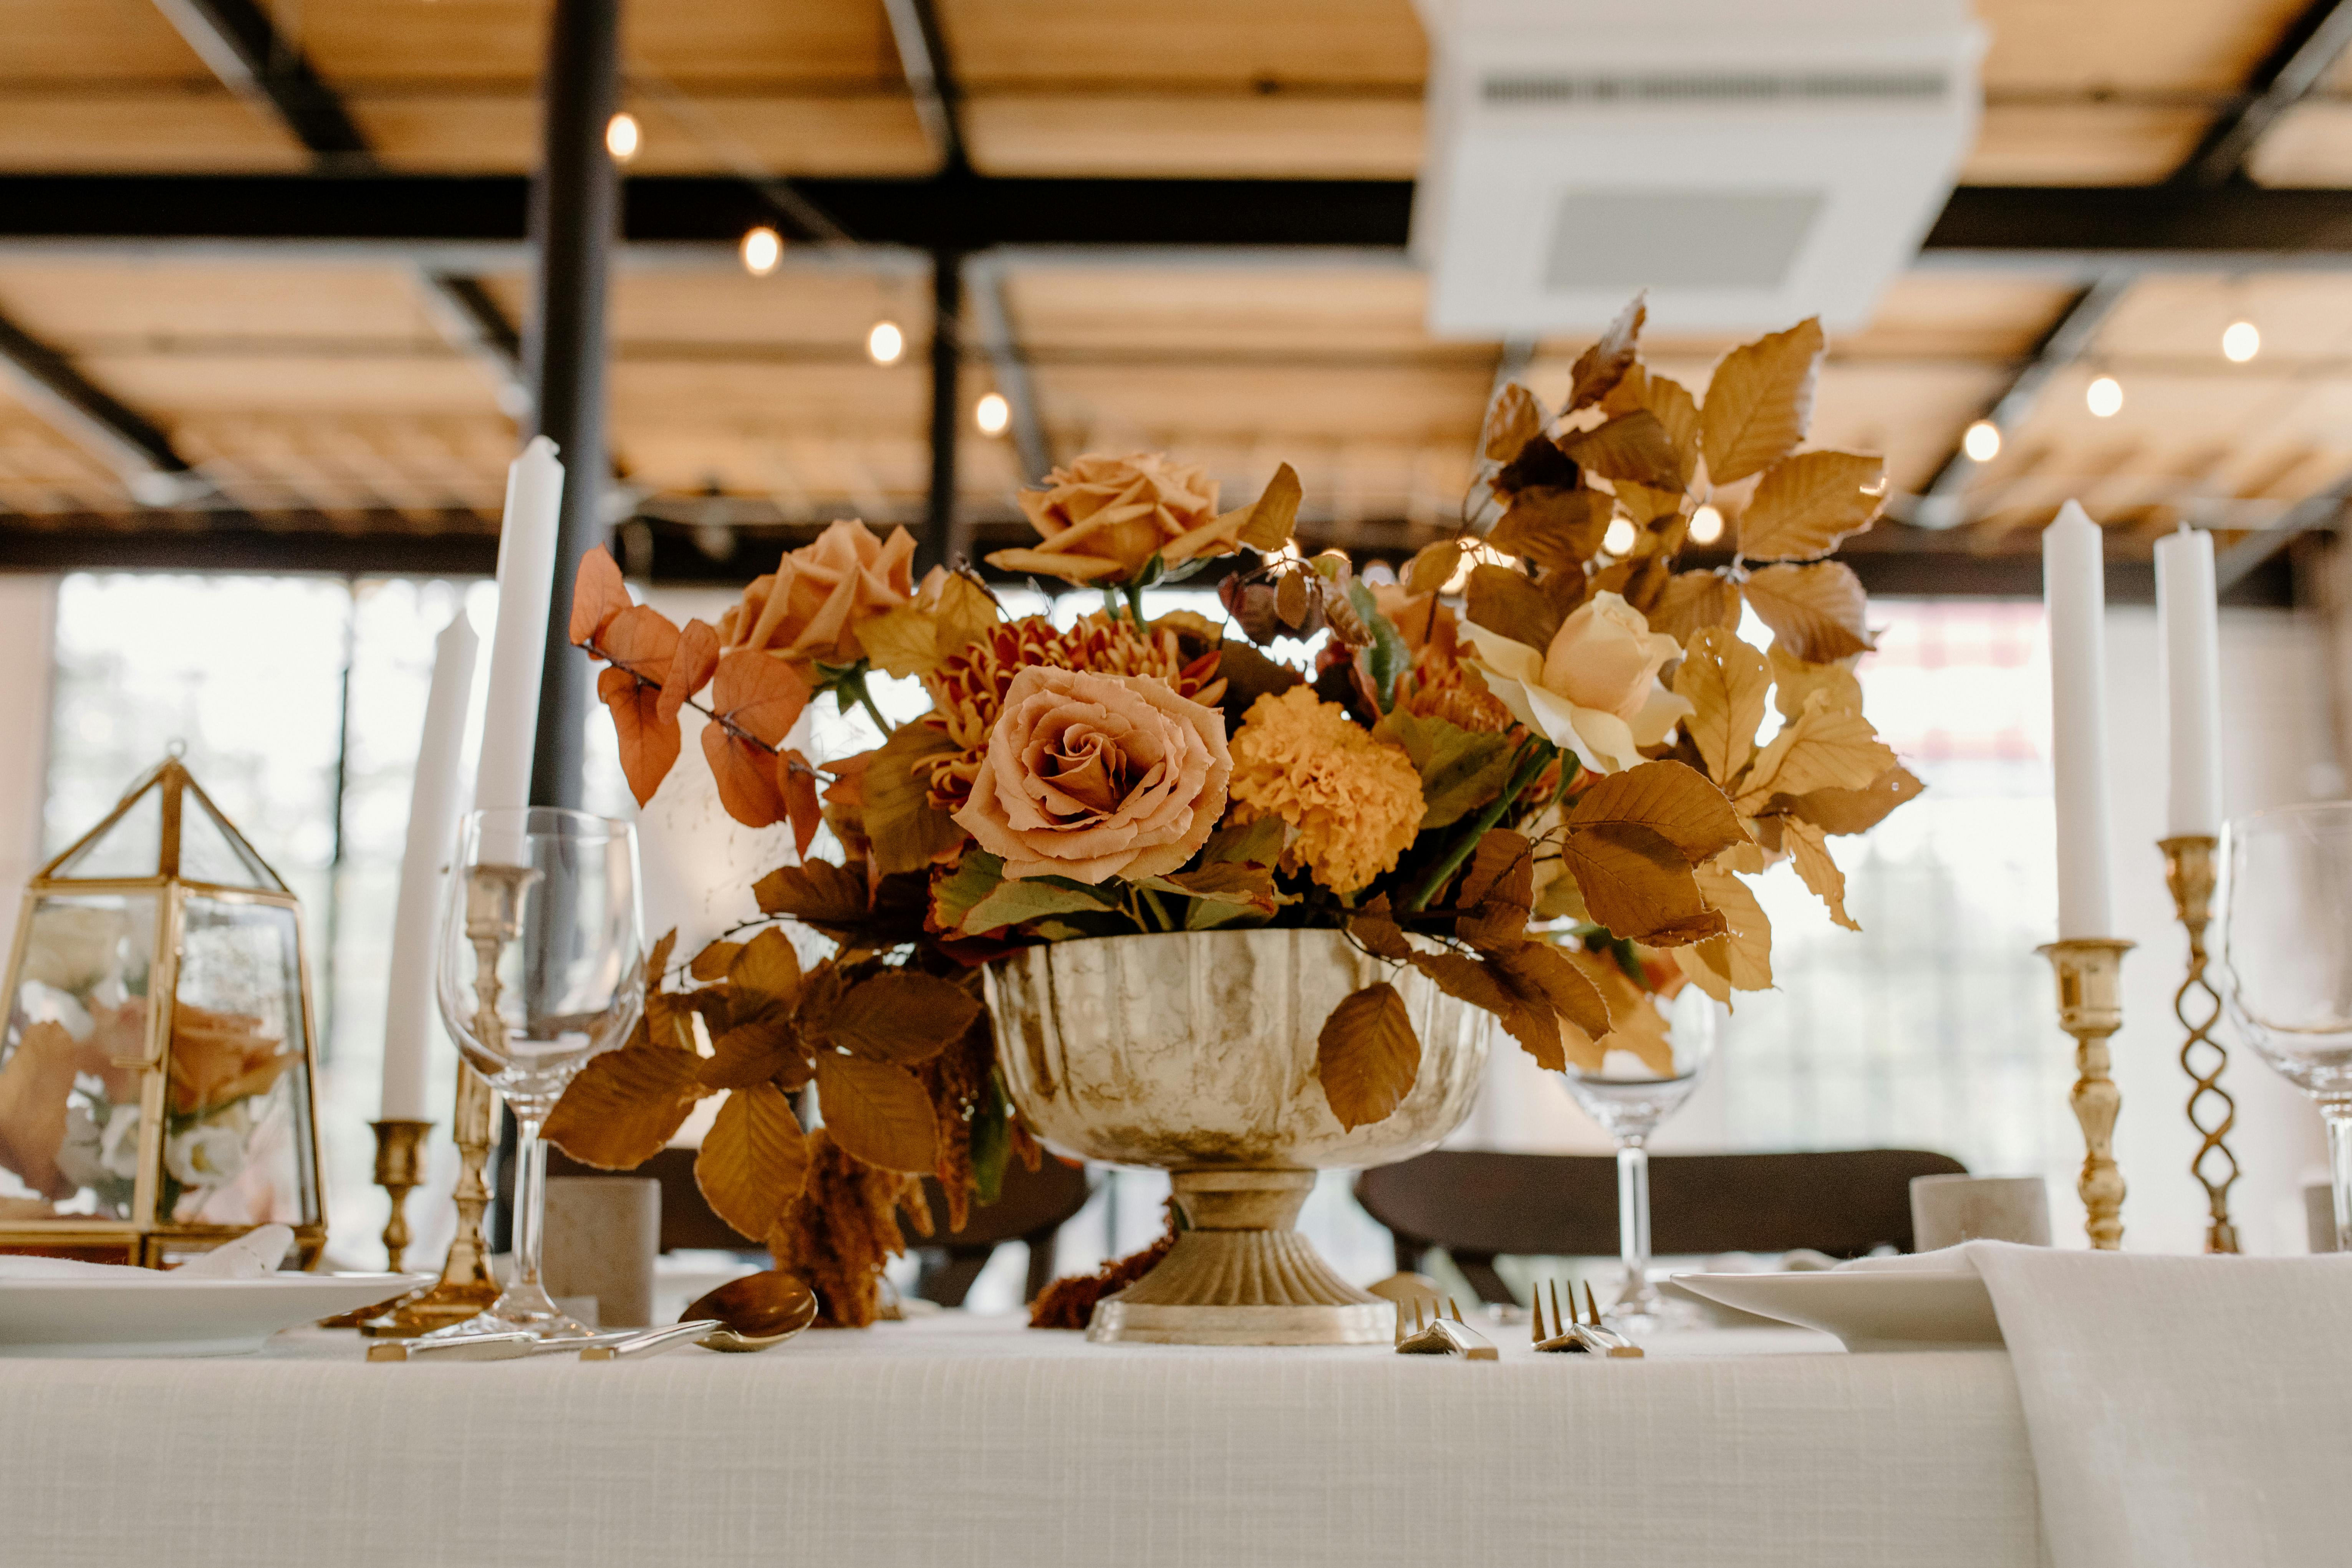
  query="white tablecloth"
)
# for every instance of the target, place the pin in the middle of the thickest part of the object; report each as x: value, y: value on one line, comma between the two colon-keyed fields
x: 955, y: 1441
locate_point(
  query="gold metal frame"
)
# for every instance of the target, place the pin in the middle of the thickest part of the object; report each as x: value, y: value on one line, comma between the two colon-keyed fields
x: 143, y: 1238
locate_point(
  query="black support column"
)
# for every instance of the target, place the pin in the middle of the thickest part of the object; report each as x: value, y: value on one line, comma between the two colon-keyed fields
x: 575, y: 208
x: 942, y: 539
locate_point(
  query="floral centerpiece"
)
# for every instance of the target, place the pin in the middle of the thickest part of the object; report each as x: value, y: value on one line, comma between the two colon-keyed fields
x: 1527, y: 766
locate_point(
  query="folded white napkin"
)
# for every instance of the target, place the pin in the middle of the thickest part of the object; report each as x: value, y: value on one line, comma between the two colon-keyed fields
x: 2184, y: 1412
x: 1947, y: 1260
x: 255, y: 1254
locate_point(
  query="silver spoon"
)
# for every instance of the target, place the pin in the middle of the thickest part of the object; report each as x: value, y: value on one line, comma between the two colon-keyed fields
x: 758, y: 1311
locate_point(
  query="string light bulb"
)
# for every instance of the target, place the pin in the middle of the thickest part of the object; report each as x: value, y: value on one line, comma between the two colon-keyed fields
x: 1982, y: 442
x: 622, y: 136
x: 2104, y: 397
x: 2241, y: 341
x: 993, y: 414
x: 1619, y: 537
x: 1706, y: 525
x: 763, y: 248
x: 885, y: 344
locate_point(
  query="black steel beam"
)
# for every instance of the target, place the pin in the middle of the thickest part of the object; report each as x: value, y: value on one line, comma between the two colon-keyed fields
x: 2043, y: 228
x: 121, y: 437
x: 474, y: 322
x: 931, y: 77
x: 942, y: 541
x: 2302, y: 57
x: 574, y: 214
x: 238, y: 42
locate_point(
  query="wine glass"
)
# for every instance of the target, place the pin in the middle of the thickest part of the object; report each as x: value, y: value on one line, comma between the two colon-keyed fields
x: 1629, y: 1097
x: 540, y: 969
x: 2286, y: 961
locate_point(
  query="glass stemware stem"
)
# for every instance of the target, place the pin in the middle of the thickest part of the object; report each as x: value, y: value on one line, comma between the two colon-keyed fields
x: 1634, y: 1221
x: 2338, y: 1115
x: 531, y: 1201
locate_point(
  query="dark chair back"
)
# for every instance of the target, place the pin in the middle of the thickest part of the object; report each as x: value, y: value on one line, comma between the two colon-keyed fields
x: 1031, y: 1207
x: 1479, y: 1206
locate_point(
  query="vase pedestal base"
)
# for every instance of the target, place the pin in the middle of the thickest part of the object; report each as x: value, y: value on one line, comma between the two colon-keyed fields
x: 1242, y: 1275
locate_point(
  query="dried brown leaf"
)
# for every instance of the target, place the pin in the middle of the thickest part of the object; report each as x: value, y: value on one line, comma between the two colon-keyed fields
x: 1820, y: 612
x: 1639, y: 885
x: 1517, y: 417
x: 1759, y: 402
x: 1746, y: 946
x: 1368, y: 1056
x: 1692, y: 601
x: 832, y: 898
x: 691, y: 666
x: 711, y: 963
x: 1839, y: 811
x: 1820, y: 872
x: 1725, y: 682
x: 1632, y: 447
x: 1822, y: 748
x: 1556, y: 527
x: 1274, y: 513
x: 649, y: 747
x: 598, y: 594
x: 1379, y: 933
x: 1536, y: 1029
x: 796, y: 783
x: 908, y: 832
x: 625, y: 1106
x: 1678, y: 410
x: 903, y: 1016
x: 1536, y: 969
x: 766, y: 970
x: 1433, y: 567
x: 1671, y: 799
x: 1600, y: 368
x: 1794, y: 681
x: 1806, y: 504
x: 1507, y: 603
x: 754, y: 1159
x: 878, y: 1112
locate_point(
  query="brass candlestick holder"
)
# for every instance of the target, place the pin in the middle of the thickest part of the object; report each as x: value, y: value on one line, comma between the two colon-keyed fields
x: 2189, y: 873
x: 493, y: 918
x: 2089, y: 1007
x: 399, y: 1170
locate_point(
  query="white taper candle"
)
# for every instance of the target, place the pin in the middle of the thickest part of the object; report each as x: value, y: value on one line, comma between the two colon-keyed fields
x: 2191, y: 649
x: 519, y: 645
x: 2074, y: 594
x: 435, y: 799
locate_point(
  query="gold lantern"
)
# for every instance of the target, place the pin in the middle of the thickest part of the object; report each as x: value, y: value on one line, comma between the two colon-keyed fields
x: 156, y: 1074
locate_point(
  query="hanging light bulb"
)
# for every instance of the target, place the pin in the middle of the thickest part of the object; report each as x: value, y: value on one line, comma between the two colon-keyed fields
x: 1706, y: 526
x: 885, y: 344
x: 622, y: 136
x: 2241, y: 341
x: 2104, y: 396
x: 762, y: 249
x: 1619, y: 537
x: 993, y: 414
x: 1983, y: 443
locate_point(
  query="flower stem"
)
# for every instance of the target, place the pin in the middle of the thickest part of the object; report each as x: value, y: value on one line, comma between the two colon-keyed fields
x: 1467, y: 839
x: 1134, y: 592
x: 1167, y: 922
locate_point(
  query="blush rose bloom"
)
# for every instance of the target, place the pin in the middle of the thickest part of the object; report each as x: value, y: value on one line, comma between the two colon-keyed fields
x: 1595, y: 690
x: 810, y: 606
x: 1092, y: 776
x: 1105, y: 517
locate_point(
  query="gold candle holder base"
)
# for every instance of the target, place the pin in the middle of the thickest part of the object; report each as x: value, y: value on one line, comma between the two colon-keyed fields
x: 2089, y: 1007
x: 2189, y: 873
x: 466, y: 1284
x: 399, y: 1170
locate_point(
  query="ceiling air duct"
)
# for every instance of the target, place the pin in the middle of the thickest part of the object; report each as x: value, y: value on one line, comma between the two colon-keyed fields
x: 1748, y: 163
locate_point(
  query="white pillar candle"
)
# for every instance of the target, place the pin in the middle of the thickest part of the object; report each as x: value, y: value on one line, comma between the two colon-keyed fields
x: 434, y: 800
x: 2074, y: 594
x: 2191, y: 649
x: 519, y: 645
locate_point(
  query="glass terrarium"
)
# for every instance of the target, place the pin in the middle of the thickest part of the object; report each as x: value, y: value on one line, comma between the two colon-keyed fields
x: 156, y: 1074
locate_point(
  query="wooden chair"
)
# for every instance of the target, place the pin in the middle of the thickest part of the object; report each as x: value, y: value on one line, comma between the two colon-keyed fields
x: 1479, y: 1205
x: 1032, y: 1207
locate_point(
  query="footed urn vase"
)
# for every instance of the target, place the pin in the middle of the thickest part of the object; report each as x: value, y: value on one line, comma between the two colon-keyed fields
x: 1194, y: 1052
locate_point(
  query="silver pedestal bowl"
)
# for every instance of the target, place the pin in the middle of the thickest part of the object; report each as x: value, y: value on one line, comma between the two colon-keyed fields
x: 1194, y: 1052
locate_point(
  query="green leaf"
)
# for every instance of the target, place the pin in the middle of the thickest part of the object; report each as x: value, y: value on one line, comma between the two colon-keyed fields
x: 1389, y: 655
x: 976, y: 876
x: 991, y: 1142
x: 1461, y: 770
x: 1012, y: 902
x: 1255, y: 843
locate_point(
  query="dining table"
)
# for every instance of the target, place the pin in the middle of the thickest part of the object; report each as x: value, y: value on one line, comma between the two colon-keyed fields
x: 972, y: 1440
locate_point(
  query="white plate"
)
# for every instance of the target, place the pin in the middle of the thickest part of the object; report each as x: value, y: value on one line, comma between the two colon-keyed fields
x: 1893, y: 1310
x: 174, y: 1317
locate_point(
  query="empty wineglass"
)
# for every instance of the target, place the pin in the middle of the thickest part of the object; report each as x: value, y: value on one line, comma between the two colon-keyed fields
x: 2286, y: 961
x: 540, y: 969
x: 1629, y: 1098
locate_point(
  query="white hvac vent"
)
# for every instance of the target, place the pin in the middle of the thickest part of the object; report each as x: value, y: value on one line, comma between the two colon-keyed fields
x: 1747, y: 164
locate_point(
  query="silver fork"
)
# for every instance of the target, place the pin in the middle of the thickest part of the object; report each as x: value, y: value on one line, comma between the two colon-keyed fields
x: 1439, y: 1336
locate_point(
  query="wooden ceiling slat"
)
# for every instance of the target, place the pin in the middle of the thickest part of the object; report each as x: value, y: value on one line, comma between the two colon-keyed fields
x: 2311, y: 145
x: 2302, y: 316
x: 1006, y: 42
x: 2130, y: 46
x: 866, y: 134
x: 2082, y: 143
x: 1236, y: 137
x: 1298, y: 309
x: 175, y: 130
x: 119, y: 41
x: 80, y: 302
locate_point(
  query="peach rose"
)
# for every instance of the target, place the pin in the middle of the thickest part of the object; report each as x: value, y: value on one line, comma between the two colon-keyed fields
x: 810, y: 606
x: 1595, y: 690
x: 1104, y: 518
x: 1092, y: 776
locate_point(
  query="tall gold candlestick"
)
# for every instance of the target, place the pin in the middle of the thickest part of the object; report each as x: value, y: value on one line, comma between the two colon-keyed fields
x: 399, y: 1170
x: 466, y: 1284
x: 2089, y: 1007
x: 2189, y: 873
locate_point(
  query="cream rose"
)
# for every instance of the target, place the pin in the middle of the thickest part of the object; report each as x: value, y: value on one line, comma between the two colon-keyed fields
x: 1092, y: 776
x: 1595, y: 691
x: 810, y: 606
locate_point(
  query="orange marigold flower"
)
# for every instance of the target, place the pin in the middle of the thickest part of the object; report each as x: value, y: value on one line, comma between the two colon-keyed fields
x: 1355, y: 802
x: 968, y: 689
